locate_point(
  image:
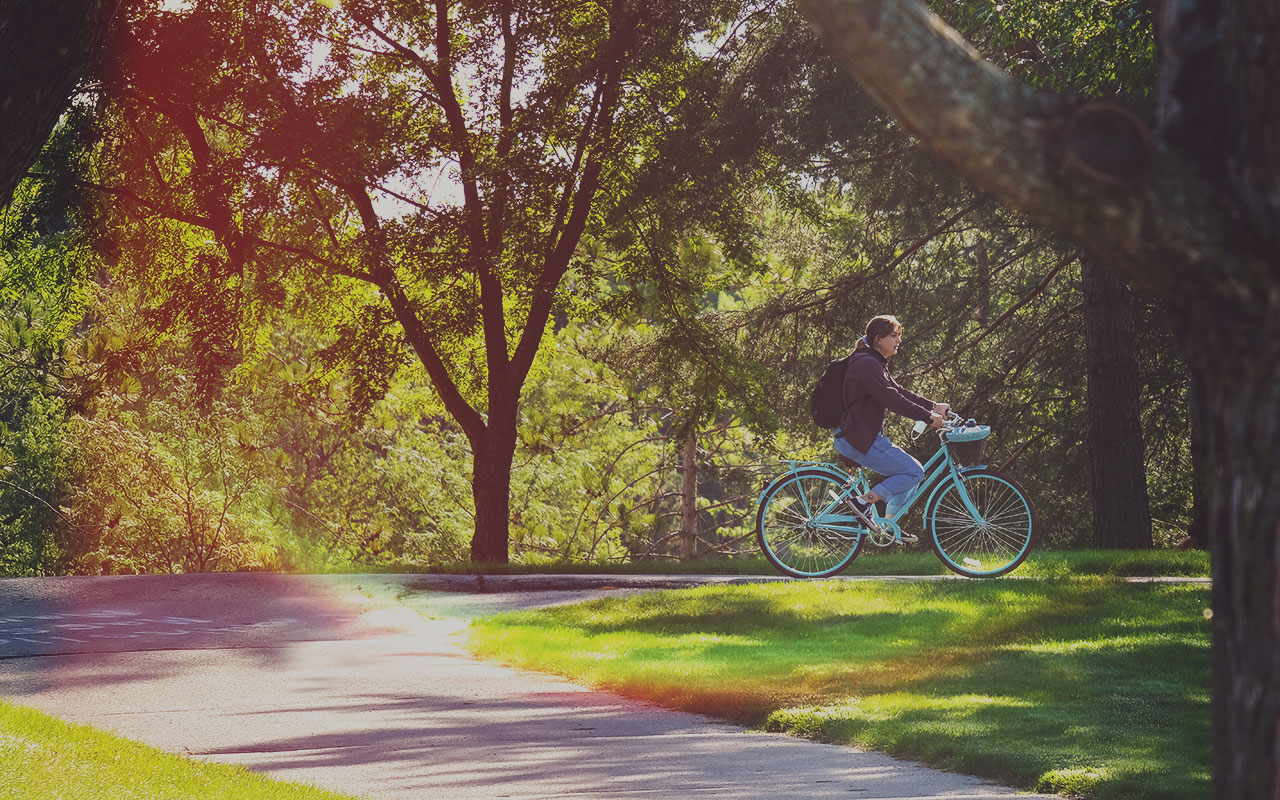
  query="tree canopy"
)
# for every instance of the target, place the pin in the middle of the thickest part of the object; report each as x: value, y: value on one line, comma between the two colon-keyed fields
x: 428, y: 168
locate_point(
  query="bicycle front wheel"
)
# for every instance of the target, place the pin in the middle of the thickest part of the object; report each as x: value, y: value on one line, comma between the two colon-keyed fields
x: 804, y: 526
x: 991, y: 545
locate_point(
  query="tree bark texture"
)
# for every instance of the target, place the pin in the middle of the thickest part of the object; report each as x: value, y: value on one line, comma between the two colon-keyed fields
x: 1118, y: 480
x: 1198, y: 227
x: 689, y: 498
x: 491, y: 490
x: 45, y: 48
x: 1238, y: 415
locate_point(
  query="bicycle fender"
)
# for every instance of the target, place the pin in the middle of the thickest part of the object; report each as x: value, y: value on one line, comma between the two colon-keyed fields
x: 829, y: 469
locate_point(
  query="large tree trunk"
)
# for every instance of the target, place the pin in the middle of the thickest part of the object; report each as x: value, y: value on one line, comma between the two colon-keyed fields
x: 689, y: 498
x: 1242, y: 437
x: 45, y: 47
x: 1121, y: 507
x: 491, y: 490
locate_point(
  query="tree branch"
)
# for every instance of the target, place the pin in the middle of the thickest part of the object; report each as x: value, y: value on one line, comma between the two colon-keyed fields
x: 784, y: 304
x: 1027, y: 147
x: 557, y: 261
x: 1035, y: 292
x: 442, y: 78
x: 506, y: 130
x: 406, y: 313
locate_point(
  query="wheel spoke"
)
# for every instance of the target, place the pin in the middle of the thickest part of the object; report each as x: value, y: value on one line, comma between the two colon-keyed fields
x: 798, y: 530
x: 992, y: 547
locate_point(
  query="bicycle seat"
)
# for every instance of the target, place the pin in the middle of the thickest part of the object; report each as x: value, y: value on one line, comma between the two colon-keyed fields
x: 847, y: 461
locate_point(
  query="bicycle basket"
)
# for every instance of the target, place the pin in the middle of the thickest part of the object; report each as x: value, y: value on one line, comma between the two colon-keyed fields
x: 968, y: 444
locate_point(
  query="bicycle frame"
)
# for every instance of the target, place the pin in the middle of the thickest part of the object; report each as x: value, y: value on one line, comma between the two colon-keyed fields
x: 940, y: 468
x: 979, y: 523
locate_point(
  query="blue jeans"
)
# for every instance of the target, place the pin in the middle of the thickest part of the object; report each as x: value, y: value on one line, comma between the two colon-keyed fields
x: 901, y: 471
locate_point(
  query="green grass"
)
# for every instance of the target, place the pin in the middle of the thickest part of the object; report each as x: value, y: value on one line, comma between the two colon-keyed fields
x: 42, y: 758
x: 1124, y: 563
x: 919, y: 561
x: 1088, y: 686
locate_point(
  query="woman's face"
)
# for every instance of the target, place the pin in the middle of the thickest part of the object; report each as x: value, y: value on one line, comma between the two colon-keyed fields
x: 889, y: 343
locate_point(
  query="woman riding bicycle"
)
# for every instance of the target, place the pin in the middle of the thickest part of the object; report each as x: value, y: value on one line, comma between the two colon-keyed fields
x: 870, y: 391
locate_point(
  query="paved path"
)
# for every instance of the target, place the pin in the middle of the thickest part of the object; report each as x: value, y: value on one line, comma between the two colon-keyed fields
x: 301, y: 677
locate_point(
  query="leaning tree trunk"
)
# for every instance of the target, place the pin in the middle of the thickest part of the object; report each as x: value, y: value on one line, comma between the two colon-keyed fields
x: 1118, y: 480
x: 45, y: 47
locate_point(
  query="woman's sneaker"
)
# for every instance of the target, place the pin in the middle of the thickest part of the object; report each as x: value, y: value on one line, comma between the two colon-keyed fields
x: 864, y: 511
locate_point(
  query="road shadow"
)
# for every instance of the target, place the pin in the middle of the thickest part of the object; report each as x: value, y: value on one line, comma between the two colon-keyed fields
x: 54, y: 626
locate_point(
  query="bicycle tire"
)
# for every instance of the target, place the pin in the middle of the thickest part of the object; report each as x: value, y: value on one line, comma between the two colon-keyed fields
x: 792, y: 541
x: 989, y: 550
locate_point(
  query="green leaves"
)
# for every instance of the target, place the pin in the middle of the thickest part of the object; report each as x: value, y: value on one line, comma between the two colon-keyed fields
x: 372, y: 348
x: 34, y: 479
x: 1094, y: 48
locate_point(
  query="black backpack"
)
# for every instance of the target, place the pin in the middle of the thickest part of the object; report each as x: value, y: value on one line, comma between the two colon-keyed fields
x: 827, y: 399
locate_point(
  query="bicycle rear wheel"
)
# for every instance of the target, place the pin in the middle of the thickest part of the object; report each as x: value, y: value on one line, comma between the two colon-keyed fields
x: 804, y: 526
x: 984, y: 548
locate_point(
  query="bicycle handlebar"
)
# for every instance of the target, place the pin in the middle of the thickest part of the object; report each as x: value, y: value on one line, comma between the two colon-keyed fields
x: 952, y: 422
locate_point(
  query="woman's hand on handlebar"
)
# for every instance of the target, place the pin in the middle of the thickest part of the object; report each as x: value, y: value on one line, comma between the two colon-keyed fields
x: 936, y: 420
x: 941, y: 408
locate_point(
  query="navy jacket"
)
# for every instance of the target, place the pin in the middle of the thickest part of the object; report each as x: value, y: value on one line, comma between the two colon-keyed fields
x: 868, y: 393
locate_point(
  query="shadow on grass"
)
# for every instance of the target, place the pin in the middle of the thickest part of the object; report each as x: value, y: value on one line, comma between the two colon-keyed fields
x: 1094, y: 688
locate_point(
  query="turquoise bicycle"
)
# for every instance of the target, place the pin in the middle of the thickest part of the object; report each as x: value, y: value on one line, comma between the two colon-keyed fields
x: 980, y: 523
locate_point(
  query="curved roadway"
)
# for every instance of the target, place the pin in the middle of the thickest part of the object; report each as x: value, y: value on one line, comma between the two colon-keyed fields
x: 309, y: 678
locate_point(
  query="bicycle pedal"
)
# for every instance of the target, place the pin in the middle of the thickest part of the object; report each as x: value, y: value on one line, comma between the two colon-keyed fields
x: 908, y: 538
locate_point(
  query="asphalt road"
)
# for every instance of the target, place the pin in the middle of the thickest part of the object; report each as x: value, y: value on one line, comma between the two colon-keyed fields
x: 308, y: 678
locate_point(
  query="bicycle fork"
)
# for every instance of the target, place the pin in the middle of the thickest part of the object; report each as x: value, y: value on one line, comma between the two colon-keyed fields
x: 964, y: 497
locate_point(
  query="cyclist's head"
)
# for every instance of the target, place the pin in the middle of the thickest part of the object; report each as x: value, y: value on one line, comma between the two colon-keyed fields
x: 883, y: 325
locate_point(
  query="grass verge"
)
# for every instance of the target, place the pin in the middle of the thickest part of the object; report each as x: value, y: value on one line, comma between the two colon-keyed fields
x: 919, y: 561
x: 43, y: 758
x: 1090, y: 687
